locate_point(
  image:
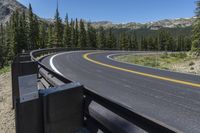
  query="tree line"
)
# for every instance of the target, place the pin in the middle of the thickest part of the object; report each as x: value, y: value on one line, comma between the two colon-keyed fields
x: 196, y: 31
x: 25, y: 31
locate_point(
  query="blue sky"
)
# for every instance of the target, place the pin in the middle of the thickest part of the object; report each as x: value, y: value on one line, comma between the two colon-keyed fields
x: 117, y: 11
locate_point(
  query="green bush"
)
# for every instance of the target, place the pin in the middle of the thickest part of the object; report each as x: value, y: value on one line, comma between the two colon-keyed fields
x: 191, y: 63
x: 179, y: 55
x: 191, y: 68
x: 5, y: 69
x: 165, y: 55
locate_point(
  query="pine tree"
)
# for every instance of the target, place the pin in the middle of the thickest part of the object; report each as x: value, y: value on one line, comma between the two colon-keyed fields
x: 101, y: 38
x: 111, y: 41
x: 187, y: 43
x: 134, y: 43
x: 67, y: 33
x: 42, y: 35
x: 144, y: 43
x: 165, y: 40
x: 91, y: 36
x: 124, y: 42
x: 22, y: 32
x: 150, y: 44
x: 180, y: 43
x: 76, y: 33
x: 82, y: 35
x: 16, y: 33
x: 73, y: 37
x: 196, y: 31
x: 130, y: 44
x: 31, y: 38
x: 8, y: 41
x: 58, y: 30
x: 50, y: 36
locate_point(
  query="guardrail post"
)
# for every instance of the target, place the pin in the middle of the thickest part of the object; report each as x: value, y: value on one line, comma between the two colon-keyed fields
x: 28, y: 105
x: 63, y: 108
x: 15, y: 71
x: 29, y: 116
x: 15, y: 86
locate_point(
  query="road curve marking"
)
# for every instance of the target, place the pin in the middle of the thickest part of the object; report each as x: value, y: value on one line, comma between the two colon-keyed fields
x: 52, y: 58
x: 85, y: 56
x: 52, y: 65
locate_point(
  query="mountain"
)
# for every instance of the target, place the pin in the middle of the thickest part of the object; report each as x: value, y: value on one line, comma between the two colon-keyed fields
x: 7, y: 7
x: 167, y: 23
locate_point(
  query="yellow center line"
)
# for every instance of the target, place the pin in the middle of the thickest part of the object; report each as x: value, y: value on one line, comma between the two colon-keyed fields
x: 85, y: 56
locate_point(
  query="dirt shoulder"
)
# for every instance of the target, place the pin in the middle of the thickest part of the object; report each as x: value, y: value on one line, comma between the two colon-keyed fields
x: 7, y: 116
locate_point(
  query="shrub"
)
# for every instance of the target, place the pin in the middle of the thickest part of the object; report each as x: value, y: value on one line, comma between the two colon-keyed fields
x: 191, y: 68
x: 191, y: 63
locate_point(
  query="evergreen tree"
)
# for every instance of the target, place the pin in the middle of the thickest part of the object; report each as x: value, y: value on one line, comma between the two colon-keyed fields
x: 165, y: 40
x: 36, y: 32
x: 43, y: 36
x: 151, y: 45
x: 76, y: 33
x: 111, y: 41
x: 180, y: 43
x: 124, y: 42
x: 31, y: 37
x: 91, y: 36
x: 196, y: 31
x: 67, y: 33
x: 101, y: 38
x: 8, y: 41
x: 143, y: 43
x: 82, y: 35
x: 73, y: 37
x: 134, y: 44
x: 22, y: 32
x: 130, y: 43
x: 187, y: 43
x: 58, y: 30
x: 16, y: 33
x: 50, y: 36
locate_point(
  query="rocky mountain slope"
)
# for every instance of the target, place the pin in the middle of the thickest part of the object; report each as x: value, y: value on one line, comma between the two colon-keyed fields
x: 7, y: 7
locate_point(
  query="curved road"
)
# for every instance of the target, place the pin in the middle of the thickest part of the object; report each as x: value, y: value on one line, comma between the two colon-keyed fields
x: 167, y: 97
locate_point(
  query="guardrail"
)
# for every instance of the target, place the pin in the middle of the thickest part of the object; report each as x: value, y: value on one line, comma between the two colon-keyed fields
x: 63, y: 106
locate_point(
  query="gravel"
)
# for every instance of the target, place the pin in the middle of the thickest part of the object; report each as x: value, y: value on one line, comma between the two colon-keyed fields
x: 7, y: 116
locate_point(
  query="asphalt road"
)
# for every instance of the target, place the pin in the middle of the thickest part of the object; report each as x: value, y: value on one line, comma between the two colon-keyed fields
x: 167, y: 97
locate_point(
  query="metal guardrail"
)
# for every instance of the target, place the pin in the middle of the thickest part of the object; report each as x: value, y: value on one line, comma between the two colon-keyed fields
x: 99, y: 113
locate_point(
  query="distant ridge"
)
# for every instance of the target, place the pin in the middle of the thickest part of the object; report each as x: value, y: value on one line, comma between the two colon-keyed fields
x: 166, y: 23
x: 7, y: 7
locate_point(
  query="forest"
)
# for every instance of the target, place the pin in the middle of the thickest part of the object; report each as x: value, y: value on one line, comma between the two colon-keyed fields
x: 26, y: 31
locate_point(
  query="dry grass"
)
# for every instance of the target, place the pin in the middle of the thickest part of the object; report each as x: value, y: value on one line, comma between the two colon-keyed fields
x: 179, y: 62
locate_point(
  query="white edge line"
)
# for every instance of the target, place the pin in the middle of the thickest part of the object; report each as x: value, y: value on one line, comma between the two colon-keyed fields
x: 110, y: 58
x: 52, y: 58
x: 52, y: 65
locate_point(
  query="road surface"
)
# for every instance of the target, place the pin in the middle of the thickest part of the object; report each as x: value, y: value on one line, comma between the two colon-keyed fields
x: 167, y: 97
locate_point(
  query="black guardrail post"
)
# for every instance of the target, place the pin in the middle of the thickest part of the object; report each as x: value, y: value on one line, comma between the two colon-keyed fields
x: 63, y: 108
x: 15, y: 71
x: 29, y: 116
x: 28, y: 110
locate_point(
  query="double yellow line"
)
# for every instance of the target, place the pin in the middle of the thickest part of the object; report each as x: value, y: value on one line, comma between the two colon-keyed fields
x: 85, y: 56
